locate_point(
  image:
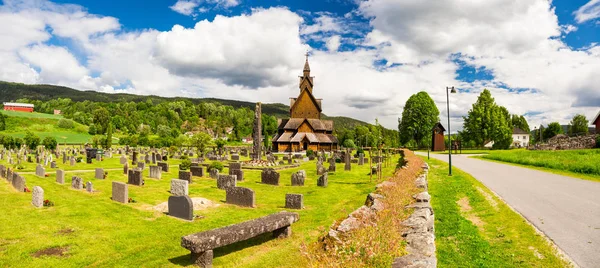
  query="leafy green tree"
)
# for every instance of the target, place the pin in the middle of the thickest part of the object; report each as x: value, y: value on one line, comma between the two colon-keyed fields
x: 18, y: 142
x: 520, y: 122
x: 418, y: 117
x: 101, y: 120
x: 478, y: 124
x: 31, y: 140
x: 349, y: 144
x: 65, y: 123
x: 108, y: 139
x: 578, y: 125
x: 552, y: 130
x: 201, y: 141
x: 50, y: 143
x: 92, y: 129
x: 2, y: 122
x: 502, y: 130
x: 220, y: 143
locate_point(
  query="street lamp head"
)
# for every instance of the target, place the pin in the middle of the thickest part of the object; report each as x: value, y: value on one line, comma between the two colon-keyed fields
x: 453, y: 90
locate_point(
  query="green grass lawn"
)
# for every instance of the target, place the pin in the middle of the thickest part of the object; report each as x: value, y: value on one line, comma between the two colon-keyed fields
x: 474, y: 228
x: 44, y: 125
x: 584, y: 162
x: 110, y: 234
x: 31, y: 115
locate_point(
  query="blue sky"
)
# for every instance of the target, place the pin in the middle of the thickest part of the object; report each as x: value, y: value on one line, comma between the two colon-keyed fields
x: 539, y: 58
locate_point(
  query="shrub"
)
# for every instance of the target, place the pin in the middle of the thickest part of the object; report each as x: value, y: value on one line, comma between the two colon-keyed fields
x: 66, y: 123
x: 185, y: 164
x: 310, y: 153
x: 31, y: 140
x: 598, y: 141
x: 216, y: 165
x: 50, y: 143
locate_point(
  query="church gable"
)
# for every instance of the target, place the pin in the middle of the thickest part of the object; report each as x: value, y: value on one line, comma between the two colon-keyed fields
x: 305, y: 106
x: 305, y: 127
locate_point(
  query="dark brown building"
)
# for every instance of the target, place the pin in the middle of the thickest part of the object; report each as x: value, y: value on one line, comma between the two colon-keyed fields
x: 437, y: 138
x: 596, y: 122
x: 304, y: 129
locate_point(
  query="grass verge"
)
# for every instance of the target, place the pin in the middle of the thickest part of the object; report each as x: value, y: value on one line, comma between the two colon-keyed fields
x: 474, y: 228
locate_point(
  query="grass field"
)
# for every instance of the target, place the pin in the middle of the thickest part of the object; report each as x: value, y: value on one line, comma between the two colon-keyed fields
x: 585, y: 162
x: 44, y: 125
x: 97, y: 231
x: 474, y: 228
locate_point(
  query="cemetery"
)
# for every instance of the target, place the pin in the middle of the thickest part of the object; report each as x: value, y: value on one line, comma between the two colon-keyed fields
x: 104, y: 216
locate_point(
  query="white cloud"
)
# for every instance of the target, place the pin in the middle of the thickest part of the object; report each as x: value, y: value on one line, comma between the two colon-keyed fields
x: 333, y: 43
x: 57, y: 64
x: 188, y: 7
x: 589, y: 11
x: 185, y: 7
x: 566, y: 29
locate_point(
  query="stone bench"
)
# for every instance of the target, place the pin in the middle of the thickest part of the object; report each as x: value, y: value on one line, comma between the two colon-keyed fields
x: 202, y: 244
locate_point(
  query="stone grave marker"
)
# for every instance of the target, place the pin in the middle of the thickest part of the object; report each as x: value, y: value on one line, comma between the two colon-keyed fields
x: 322, y: 181
x: 37, y: 197
x: 123, y: 159
x: 164, y: 166
x: 141, y: 165
x: 179, y: 187
x: 294, y: 201
x: 181, y: 207
x: 76, y: 183
x: 240, y: 196
x: 18, y: 182
x: 99, y: 174
x: 126, y: 168
x: 269, y: 176
x: 155, y: 172
x: 60, y: 176
x: 89, y: 187
x: 197, y: 171
x: 185, y: 175
x: 239, y: 174
x: 298, y: 178
x: 320, y: 170
x: 361, y: 159
x: 225, y: 182
x: 134, y: 177
x: 235, y: 157
x: 214, y: 173
x: 53, y: 164
x: 40, y: 171
x: 120, y: 192
x: 98, y: 157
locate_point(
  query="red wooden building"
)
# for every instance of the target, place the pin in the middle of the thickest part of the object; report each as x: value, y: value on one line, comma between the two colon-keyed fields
x: 596, y: 122
x: 21, y: 107
x: 437, y: 138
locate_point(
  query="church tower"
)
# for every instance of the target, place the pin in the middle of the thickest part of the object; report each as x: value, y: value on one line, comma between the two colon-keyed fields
x: 306, y: 81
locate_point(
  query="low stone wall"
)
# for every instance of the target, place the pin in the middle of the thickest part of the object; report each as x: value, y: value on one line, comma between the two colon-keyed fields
x: 563, y: 142
x: 420, y: 234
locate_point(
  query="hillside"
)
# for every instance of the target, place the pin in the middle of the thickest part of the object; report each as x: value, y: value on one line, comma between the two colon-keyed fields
x: 14, y: 91
x: 43, y: 125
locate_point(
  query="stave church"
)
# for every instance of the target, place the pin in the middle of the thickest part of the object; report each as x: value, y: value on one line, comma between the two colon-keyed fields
x: 304, y: 129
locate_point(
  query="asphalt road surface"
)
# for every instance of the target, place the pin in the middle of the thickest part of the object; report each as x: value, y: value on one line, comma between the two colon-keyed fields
x: 566, y: 209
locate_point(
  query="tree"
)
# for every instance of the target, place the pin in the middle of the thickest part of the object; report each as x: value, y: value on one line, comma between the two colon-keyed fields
x: 578, y: 125
x: 478, y: 123
x: 163, y: 131
x: 18, y: 142
x: 418, y: 117
x: 552, y: 130
x: 502, y: 130
x: 31, y: 140
x: 92, y: 129
x: 108, y: 139
x: 2, y: 122
x: 101, y: 120
x: 201, y: 141
x: 220, y: 143
x: 8, y: 142
x: 50, y: 143
x: 349, y: 144
x: 520, y: 122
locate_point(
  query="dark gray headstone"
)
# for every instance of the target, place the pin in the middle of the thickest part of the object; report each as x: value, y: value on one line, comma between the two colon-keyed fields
x: 164, y: 166
x: 239, y: 174
x: 185, y: 175
x: 240, y: 196
x: 298, y: 178
x: 181, y: 207
x: 225, y: 182
x: 214, y: 173
x: 235, y: 157
x: 197, y: 171
x: 99, y: 174
x: 322, y: 181
x: 76, y: 183
x: 294, y: 201
x: 234, y: 166
x: 134, y: 177
x: 126, y: 168
x: 120, y: 193
x: 18, y: 182
x: 270, y: 176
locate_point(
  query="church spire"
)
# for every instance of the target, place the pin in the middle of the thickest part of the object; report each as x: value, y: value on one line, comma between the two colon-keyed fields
x: 306, y: 66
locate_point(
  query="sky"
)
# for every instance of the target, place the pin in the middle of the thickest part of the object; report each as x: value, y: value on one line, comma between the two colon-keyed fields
x: 539, y: 58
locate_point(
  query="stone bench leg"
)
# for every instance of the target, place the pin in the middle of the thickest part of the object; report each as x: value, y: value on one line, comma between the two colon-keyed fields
x: 283, y: 232
x: 203, y: 259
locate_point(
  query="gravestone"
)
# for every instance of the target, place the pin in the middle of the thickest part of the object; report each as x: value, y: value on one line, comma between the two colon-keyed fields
x: 155, y: 172
x: 120, y: 193
x: 225, y: 182
x: 153, y: 158
x: 214, y: 173
x: 181, y: 207
x: 76, y: 183
x: 322, y: 181
x: 99, y: 174
x: 197, y: 171
x: 72, y: 161
x: 37, y: 197
x: 179, y: 187
x: 298, y: 178
x: 40, y: 171
x: 134, y: 177
x: 239, y: 174
x: 164, y: 166
x: 361, y: 159
x: 126, y: 168
x: 2, y: 171
x: 18, y: 182
x: 321, y: 170
x: 9, y: 175
x: 64, y: 157
x: 134, y: 158
x: 294, y: 201
x: 53, y: 164
x: 240, y: 196
x: 235, y: 157
x: 141, y: 165
x: 185, y: 175
x: 98, y: 157
x: 235, y: 166
x: 256, y: 133
x: 348, y: 164
x: 269, y: 176
x: 123, y: 159
x: 89, y: 187
x: 60, y: 176
x: 332, y: 167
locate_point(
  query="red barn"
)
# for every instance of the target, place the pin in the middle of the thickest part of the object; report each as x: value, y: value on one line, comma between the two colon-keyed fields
x: 437, y: 138
x: 596, y: 122
x: 21, y: 107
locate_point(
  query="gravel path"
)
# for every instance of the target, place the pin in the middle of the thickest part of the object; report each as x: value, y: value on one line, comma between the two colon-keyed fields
x: 566, y: 209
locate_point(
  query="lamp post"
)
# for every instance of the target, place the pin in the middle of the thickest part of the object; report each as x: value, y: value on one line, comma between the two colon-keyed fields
x: 452, y: 90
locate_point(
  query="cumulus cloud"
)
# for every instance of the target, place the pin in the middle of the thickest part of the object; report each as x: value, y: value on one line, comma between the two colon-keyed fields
x: 333, y: 43
x: 185, y: 7
x: 589, y: 11
x: 188, y: 7
x: 56, y: 63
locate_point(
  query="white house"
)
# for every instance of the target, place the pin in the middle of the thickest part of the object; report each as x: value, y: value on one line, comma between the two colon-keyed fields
x: 520, y: 137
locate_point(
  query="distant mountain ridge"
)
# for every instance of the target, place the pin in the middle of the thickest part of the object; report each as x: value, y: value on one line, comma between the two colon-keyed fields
x: 13, y: 91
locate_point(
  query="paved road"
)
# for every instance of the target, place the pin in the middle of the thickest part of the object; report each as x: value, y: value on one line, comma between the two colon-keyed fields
x: 566, y: 209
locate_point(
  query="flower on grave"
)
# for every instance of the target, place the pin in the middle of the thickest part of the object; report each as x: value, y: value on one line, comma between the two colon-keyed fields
x: 26, y: 190
x: 48, y: 203
x: 131, y: 200
x: 46, y: 175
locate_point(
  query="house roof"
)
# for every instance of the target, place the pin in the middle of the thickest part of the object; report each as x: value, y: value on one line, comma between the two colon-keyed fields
x: 438, y: 125
x: 293, y: 123
x: 517, y: 130
x: 312, y: 98
x: 285, y: 137
x: 597, y: 118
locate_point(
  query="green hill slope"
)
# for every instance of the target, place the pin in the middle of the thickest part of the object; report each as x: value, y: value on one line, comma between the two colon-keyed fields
x: 43, y: 125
